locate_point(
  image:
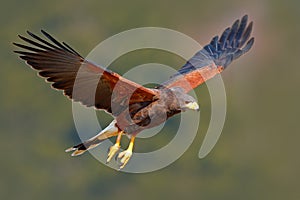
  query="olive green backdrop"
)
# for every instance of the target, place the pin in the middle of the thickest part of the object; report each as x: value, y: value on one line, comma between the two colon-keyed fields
x: 257, y: 156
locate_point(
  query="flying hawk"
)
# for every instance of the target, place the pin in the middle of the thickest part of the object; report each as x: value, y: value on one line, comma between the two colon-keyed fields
x: 133, y: 106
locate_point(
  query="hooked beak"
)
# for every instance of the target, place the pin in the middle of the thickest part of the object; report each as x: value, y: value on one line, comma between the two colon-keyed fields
x: 192, y: 106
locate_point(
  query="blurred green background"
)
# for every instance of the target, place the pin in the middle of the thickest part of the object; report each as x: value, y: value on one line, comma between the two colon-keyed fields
x: 257, y: 154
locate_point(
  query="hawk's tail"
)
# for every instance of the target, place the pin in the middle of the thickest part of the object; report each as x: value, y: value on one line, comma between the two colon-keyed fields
x: 108, y: 132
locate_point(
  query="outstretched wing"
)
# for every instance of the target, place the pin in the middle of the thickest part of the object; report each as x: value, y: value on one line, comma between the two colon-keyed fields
x: 214, y: 57
x: 80, y: 79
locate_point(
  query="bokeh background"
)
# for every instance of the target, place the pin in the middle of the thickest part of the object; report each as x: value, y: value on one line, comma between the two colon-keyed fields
x: 257, y: 154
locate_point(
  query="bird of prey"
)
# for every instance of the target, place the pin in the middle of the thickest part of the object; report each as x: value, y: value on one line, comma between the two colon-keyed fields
x: 133, y: 106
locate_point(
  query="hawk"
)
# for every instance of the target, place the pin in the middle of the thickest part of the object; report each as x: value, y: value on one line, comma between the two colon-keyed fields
x: 133, y: 106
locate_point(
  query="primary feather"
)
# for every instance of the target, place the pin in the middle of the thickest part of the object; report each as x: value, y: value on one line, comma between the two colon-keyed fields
x: 223, y: 51
x: 214, y: 57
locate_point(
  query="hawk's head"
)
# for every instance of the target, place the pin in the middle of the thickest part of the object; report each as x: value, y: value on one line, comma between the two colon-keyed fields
x: 185, y: 101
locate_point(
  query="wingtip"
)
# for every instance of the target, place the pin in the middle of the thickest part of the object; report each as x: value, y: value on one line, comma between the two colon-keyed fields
x: 29, y: 33
x: 20, y: 36
x: 235, y: 24
x: 17, y: 44
x: 251, y: 23
x: 44, y: 32
x: 245, y: 17
x: 250, y: 42
x: 244, y: 21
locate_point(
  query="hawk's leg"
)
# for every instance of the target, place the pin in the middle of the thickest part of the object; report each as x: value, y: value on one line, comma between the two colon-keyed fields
x: 125, y: 156
x: 115, y: 148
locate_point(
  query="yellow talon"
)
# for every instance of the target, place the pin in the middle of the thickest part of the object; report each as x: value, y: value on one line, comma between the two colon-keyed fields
x: 112, y: 151
x: 126, y: 155
x: 115, y: 148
